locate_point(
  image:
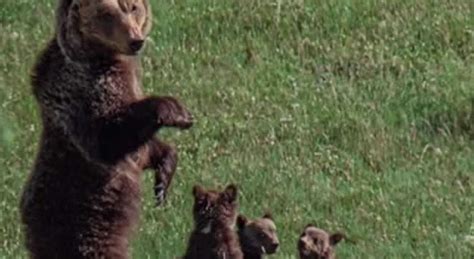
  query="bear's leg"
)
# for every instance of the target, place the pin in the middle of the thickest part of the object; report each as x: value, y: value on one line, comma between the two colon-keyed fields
x: 163, y: 160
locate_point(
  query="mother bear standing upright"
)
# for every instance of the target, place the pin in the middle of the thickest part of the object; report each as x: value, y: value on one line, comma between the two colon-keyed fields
x: 82, y: 197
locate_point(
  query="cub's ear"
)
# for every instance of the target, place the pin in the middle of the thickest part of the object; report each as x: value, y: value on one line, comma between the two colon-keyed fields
x: 241, y: 221
x: 268, y: 215
x: 230, y: 193
x: 198, y: 191
x: 309, y: 225
x: 336, y: 238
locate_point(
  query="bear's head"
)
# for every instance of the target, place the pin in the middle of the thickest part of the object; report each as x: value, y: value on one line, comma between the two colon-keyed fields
x: 258, y: 237
x: 315, y: 243
x: 106, y: 26
x: 213, y: 209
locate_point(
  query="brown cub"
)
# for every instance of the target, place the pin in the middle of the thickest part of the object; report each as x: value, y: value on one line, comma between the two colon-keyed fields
x: 82, y: 197
x: 315, y: 243
x: 257, y: 237
x: 214, y: 215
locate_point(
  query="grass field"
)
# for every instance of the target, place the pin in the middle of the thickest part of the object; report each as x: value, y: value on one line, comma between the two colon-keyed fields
x: 354, y: 115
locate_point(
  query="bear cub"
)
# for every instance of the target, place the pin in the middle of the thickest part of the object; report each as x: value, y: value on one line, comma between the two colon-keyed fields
x: 257, y: 237
x: 315, y: 243
x: 214, y: 215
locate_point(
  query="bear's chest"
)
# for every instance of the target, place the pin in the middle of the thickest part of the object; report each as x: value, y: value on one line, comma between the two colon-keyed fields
x: 112, y: 88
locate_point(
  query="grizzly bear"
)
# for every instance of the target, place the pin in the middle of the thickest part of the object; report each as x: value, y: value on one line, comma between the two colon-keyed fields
x: 257, y: 237
x: 315, y: 243
x: 214, y: 216
x: 83, y: 195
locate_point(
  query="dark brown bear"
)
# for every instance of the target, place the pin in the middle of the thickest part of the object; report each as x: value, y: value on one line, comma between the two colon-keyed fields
x: 82, y: 197
x: 257, y: 237
x: 214, y: 214
x: 315, y: 243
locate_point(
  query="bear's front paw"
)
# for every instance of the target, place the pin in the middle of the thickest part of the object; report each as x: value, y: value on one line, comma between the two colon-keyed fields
x: 172, y: 113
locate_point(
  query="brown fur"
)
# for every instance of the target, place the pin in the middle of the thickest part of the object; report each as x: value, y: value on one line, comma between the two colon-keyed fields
x: 315, y: 243
x: 257, y: 237
x: 214, y: 217
x: 82, y: 197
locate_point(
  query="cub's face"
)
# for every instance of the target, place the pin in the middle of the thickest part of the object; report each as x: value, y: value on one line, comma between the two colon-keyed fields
x: 211, y: 207
x: 315, y: 243
x: 119, y: 25
x: 258, y: 236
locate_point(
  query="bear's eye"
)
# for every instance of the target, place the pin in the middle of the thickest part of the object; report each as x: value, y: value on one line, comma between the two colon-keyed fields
x: 318, y: 241
x: 134, y: 8
x: 106, y: 17
x: 202, y: 202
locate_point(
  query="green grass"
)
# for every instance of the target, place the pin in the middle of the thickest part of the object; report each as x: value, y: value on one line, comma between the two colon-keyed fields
x: 354, y: 115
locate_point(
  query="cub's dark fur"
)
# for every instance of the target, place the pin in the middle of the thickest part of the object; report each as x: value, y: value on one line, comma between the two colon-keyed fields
x: 257, y: 237
x: 316, y: 243
x: 214, y: 217
x: 82, y: 197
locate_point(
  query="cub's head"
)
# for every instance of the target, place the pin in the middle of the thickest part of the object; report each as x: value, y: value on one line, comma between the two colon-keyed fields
x: 214, y: 209
x: 118, y: 26
x: 258, y: 237
x: 315, y: 243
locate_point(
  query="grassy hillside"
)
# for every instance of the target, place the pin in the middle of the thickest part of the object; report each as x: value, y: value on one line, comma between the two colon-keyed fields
x: 354, y: 115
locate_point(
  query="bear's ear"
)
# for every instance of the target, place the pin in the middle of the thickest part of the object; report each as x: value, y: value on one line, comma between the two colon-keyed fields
x: 230, y: 193
x: 268, y: 215
x: 336, y: 238
x: 309, y: 225
x: 198, y: 191
x: 241, y: 221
